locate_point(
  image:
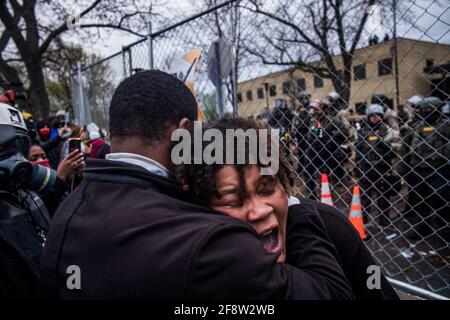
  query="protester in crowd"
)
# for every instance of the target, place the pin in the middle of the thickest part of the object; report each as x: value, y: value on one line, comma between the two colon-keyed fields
x: 130, y: 230
x: 24, y: 220
x: 52, y: 146
x: 72, y: 164
x: 94, y: 143
x: 375, y: 151
x: 231, y: 189
x: 75, y: 134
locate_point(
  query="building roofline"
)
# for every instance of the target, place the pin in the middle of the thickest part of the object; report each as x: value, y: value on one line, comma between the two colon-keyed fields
x: 337, y: 55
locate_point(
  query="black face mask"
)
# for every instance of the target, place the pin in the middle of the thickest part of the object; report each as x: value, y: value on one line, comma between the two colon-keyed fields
x: 17, y: 173
x: 429, y: 117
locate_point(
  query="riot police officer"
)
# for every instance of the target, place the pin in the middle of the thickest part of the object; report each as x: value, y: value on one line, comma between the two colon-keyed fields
x: 390, y: 116
x: 425, y: 167
x: 324, y: 152
x: 375, y: 151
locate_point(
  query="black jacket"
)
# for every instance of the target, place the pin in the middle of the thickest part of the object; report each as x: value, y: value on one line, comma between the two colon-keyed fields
x: 24, y: 223
x: 132, y: 236
x: 354, y: 256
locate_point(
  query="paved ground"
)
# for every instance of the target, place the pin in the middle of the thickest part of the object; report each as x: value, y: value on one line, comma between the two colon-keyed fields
x: 424, y: 263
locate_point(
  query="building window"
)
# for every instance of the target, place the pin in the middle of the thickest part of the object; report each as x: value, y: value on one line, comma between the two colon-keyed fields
x: 287, y: 87
x: 273, y: 90
x: 301, y: 84
x: 260, y: 93
x: 318, y: 82
x: 359, y: 72
x: 384, y: 66
x: 239, y: 97
x: 249, y: 95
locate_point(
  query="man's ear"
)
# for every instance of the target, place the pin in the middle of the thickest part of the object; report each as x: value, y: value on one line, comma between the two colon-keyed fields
x: 183, y: 123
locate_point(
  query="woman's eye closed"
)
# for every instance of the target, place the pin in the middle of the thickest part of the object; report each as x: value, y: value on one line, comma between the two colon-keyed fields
x: 267, y: 187
x: 234, y: 204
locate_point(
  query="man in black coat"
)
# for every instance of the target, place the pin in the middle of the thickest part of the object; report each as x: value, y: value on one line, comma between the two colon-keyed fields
x: 127, y: 233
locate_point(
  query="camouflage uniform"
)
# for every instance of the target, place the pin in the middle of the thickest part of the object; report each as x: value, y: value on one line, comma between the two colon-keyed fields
x: 390, y: 116
x: 324, y: 152
x: 375, y: 151
x: 425, y: 167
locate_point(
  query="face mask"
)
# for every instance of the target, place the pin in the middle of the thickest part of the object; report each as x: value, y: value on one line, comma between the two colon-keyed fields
x: 44, y: 163
x: 44, y: 132
x: 17, y: 173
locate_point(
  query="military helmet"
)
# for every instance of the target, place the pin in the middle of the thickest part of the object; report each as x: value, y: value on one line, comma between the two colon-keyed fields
x: 414, y: 101
x: 333, y: 97
x: 304, y: 95
x: 379, y: 98
x: 375, y: 109
x: 13, y: 128
x: 433, y: 102
x: 315, y: 104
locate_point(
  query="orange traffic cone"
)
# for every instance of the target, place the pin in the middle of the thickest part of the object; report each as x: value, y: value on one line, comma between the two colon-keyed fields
x: 355, y: 216
x: 325, y: 194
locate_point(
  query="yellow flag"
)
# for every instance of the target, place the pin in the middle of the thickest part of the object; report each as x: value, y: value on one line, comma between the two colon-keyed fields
x: 184, y: 68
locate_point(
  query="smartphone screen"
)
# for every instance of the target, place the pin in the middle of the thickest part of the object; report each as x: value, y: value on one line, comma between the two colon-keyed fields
x: 74, y: 144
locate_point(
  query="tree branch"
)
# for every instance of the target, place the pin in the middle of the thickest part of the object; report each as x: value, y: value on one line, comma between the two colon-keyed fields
x: 62, y: 28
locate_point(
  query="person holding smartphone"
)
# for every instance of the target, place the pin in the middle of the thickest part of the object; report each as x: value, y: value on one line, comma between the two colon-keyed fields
x: 70, y: 167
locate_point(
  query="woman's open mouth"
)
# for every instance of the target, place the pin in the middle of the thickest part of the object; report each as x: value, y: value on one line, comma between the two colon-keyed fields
x: 271, y: 241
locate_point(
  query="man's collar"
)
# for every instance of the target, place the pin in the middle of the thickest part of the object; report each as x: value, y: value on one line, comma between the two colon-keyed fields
x: 139, y: 160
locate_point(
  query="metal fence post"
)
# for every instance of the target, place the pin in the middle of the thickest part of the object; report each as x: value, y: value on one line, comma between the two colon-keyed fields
x: 124, y: 63
x: 219, y: 89
x: 150, y: 43
x: 80, y: 86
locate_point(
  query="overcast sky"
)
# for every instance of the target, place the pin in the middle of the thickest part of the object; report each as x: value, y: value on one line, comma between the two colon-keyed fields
x: 431, y: 23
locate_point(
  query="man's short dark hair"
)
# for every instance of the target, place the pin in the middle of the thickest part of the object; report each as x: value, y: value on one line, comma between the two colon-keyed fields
x: 147, y: 103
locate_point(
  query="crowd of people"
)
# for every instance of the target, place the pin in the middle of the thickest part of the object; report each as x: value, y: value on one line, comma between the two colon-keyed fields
x: 386, y: 150
x: 135, y: 225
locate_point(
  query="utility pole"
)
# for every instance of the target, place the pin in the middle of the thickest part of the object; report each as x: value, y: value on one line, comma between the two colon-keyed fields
x: 395, y: 54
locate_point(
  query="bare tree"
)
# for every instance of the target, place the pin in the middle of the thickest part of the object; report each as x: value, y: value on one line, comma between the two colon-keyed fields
x: 297, y: 33
x: 30, y: 28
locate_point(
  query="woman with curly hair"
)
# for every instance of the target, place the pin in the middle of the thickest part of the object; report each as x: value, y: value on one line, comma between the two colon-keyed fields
x: 264, y: 201
x: 240, y: 191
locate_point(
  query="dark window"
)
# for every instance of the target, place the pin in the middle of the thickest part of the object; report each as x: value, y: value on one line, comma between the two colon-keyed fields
x: 318, y: 82
x: 273, y: 90
x: 249, y: 95
x: 301, y: 84
x: 359, y: 72
x: 360, y: 108
x: 287, y: 87
x: 260, y: 93
x: 384, y: 66
x: 239, y: 97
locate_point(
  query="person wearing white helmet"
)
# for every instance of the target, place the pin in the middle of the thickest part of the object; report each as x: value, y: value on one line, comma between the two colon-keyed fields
x: 375, y: 152
x: 390, y: 117
x: 24, y: 220
x: 425, y: 167
x: 324, y: 152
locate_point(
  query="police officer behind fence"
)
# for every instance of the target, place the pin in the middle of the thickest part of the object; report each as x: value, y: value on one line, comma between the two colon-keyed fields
x: 324, y: 140
x: 24, y: 220
x: 425, y: 166
x: 390, y: 117
x: 374, y: 154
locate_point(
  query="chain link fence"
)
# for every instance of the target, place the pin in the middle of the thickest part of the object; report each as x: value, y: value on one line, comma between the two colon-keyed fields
x: 324, y: 74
